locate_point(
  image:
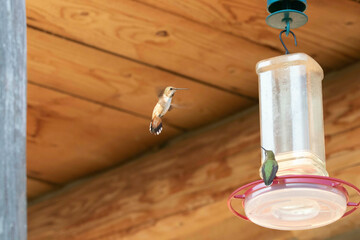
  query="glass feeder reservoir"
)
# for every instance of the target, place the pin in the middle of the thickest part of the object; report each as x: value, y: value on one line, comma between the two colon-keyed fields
x: 291, y: 113
x: 291, y: 119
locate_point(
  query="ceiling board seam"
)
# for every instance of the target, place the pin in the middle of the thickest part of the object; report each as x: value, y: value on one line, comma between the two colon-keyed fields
x: 342, y: 132
x: 134, y: 114
x: 153, y: 221
x: 42, y: 180
x: 281, y: 51
x: 255, y: 100
x: 276, y: 49
x: 74, y: 182
x: 331, y: 48
x: 146, y: 64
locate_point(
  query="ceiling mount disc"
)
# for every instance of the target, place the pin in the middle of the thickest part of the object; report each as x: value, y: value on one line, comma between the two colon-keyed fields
x: 278, y: 19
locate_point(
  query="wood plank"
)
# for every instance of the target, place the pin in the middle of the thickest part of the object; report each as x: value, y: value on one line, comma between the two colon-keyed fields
x: 180, y: 191
x: 121, y: 83
x: 36, y: 188
x: 342, y: 99
x: 13, y: 220
x: 246, y: 19
x: 154, y: 37
x: 69, y: 137
x: 351, y: 235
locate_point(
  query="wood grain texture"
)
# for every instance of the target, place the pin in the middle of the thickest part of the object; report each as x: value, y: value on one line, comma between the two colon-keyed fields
x: 13, y: 221
x: 180, y: 191
x: 36, y: 187
x: 69, y: 137
x: 154, y: 37
x: 332, y: 35
x: 342, y: 99
x: 121, y: 83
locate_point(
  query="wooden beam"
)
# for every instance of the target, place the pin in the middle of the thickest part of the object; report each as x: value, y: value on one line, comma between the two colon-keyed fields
x: 154, y: 37
x: 12, y: 120
x: 180, y: 191
x: 341, y: 100
x: 123, y: 84
x: 351, y: 235
x: 69, y: 138
x: 246, y: 19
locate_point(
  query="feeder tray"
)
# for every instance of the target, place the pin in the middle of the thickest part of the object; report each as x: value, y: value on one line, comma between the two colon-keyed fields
x: 295, y: 202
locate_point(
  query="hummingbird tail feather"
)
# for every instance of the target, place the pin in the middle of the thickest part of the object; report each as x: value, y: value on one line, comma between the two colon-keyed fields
x: 156, y: 126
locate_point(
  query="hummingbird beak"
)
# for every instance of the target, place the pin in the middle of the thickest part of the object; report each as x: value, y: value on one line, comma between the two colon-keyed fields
x: 263, y: 148
x: 180, y: 89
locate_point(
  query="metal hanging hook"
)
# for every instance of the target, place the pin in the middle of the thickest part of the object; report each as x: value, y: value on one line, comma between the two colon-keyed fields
x: 286, y: 50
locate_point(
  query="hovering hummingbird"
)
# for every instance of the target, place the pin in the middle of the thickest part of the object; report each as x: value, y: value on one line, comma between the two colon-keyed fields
x: 161, y: 108
x: 269, y: 167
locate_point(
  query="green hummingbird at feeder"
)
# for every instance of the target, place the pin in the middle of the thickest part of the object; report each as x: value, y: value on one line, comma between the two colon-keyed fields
x: 269, y: 167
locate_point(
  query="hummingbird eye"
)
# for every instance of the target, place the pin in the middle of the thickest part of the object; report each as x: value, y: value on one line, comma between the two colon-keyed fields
x: 171, y: 88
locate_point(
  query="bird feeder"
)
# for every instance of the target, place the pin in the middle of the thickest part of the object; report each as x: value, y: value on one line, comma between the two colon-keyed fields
x: 302, y: 196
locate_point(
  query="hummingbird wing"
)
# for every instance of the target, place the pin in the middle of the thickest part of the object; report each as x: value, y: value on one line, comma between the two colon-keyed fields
x: 273, y: 172
x: 174, y: 105
x: 179, y: 106
x: 263, y: 172
x: 269, y: 171
x: 160, y: 91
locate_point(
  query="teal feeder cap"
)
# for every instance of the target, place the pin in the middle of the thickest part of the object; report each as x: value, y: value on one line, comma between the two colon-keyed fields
x: 277, y: 5
x: 286, y: 14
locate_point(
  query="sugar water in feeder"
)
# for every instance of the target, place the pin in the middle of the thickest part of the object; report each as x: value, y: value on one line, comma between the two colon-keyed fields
x: 291, y: 113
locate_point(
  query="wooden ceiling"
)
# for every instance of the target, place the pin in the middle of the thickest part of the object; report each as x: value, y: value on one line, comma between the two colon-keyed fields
x: 180, y: 191
x: 94, y: 67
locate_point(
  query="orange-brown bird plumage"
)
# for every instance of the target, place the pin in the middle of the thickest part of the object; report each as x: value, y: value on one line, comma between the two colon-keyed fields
x: 161, y: 108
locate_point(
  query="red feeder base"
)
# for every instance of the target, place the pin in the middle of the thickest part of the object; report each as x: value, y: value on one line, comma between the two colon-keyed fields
x: 295, y: 202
